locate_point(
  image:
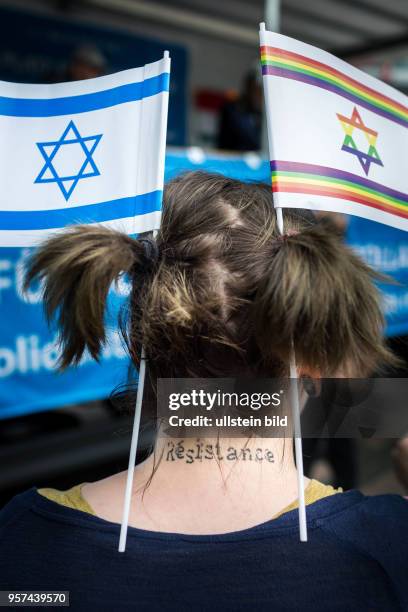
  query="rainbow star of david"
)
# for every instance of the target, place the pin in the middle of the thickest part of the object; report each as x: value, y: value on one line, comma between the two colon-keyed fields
x: 355, y: 122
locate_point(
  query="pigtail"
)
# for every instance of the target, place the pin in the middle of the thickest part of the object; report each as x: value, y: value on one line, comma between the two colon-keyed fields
x: 77, y: 268
x: 319, y: 295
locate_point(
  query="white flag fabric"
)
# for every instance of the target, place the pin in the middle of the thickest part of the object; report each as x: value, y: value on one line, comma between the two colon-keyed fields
x: 83, y: 152
x: 338, y: 138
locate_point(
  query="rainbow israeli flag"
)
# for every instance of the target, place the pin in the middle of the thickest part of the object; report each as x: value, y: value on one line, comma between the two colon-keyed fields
x: 83, y: 152
x: 338, y: 138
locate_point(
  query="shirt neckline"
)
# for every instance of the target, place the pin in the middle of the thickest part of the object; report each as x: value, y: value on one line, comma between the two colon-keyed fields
x: 285, y: 524
x: 73, y: 497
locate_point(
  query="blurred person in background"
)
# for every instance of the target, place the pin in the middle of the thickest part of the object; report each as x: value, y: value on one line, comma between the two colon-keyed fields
x: 219, y: 293
x: 86, y: 62
x: 240, y: 125
x: 400, y: 460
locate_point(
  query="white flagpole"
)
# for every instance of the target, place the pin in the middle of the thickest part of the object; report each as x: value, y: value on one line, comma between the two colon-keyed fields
x: 298, y: 447
x: 294, y: 399
x: 135, y: 438
x: 294, y: 394
x: 132, y: 454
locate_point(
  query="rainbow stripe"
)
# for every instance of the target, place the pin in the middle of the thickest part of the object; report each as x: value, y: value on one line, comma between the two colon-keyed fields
x: 298, y: 67
x: 294, y: 177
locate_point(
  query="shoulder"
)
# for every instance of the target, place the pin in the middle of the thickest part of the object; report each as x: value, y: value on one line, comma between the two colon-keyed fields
x: 377, y: 528
x: 382, y: 506
x: 388, y: 511
x: 19, y: 527
x: 44, y: 542
x: 26, y: 518
x: 34, y: 517
x: 17, y: 508
x: 371, y: 521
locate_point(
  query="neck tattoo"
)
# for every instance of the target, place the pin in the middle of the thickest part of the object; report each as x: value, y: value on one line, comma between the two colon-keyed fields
x: 200, y: 452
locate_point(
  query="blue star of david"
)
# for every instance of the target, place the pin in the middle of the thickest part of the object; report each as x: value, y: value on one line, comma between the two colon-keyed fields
x: 50, y: 150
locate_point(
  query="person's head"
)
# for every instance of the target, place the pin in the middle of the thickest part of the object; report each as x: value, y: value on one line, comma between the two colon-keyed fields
x: 252, y: 92
x: 220, y: 293
x: 87, y: 62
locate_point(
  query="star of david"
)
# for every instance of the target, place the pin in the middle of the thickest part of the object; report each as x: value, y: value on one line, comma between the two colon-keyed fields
x: 68, y: 160
x: 349, y: 125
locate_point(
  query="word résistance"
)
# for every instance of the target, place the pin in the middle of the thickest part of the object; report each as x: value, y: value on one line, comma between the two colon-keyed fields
x: 208, y: 452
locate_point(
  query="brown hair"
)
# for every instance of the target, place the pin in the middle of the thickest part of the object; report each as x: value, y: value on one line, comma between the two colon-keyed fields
x: 223, y: 293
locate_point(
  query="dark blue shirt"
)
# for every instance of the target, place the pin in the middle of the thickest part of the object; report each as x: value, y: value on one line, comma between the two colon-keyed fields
x: 356, y: 559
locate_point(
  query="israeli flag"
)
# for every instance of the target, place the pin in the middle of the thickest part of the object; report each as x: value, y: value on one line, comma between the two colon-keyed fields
x: 83, y: 152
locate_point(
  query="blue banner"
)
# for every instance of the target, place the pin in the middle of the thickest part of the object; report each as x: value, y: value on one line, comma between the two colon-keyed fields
x: 28, y: 351
x: 386, y: 250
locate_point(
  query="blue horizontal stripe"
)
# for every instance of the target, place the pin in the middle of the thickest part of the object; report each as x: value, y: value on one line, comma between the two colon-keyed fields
x: 25, y: 107
x: 92, y: 213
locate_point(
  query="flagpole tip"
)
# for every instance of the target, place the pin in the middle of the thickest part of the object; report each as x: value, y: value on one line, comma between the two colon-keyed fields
x: 279, y: 219
x: 166, y: 54
x: 262, y: 26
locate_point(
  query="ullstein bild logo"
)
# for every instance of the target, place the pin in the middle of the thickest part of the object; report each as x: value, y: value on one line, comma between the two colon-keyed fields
x: 228, y: 421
